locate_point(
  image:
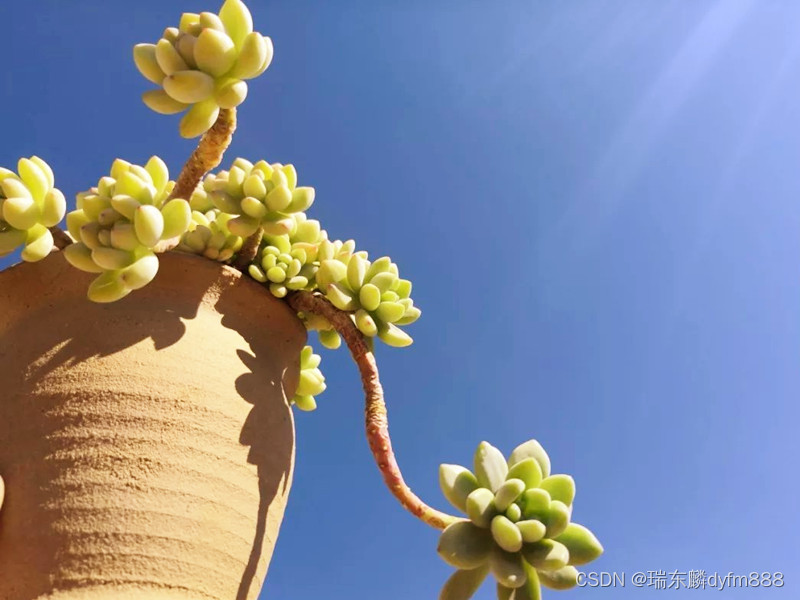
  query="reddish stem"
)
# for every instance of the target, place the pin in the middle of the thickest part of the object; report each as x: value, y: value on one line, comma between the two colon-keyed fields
x: 377, y: 423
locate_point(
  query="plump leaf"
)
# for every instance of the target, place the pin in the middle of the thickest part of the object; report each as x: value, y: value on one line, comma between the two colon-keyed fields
x: 531, y: 449
x: 514, y: 513
x: 531, y: 530
x: 546, y: 555
x: 562, y: 579
x: 490, y: 466
x: 506, y: 534
x: 507, y: 493
x: 560, y: 487
x: 583, y: 546
x: 535, y: 504
x: 480, y: 507
x: 507, y: 568
x: 527, y: 470
x: 531, y: 590
x: 557, y: 518
x: 463, y: 584
x: 464, y: 546
x: 457, y: 484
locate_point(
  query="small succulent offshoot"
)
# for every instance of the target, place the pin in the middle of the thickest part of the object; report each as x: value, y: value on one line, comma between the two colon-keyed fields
x: 289, y: 262
x: 208, y: 235
x: 312, y: 381
x: 519, y: 526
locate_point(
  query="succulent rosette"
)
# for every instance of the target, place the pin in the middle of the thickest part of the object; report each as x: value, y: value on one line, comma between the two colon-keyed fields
x: 201, y: 65
x: 373, y: 291
x: 29, y: 206
x: 119, y: 224
x: 261, y: 195
x: 519, y: 526
x: 208, y: 235
x: 289, y: 262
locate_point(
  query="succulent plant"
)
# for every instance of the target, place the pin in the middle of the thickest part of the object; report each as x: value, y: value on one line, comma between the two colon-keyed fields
x: 519, y: 526
x: 118, y: 225
x: 373, y: 291
x: 200, y: 66
x: 208, y: 235
x: 261, y: 195
x: 312, y: 381
x: 289, y: 262
x: 29, y: 206
x: 519, y: 517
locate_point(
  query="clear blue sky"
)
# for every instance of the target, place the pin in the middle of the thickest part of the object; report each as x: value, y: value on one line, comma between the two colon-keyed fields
x: 598, y: 202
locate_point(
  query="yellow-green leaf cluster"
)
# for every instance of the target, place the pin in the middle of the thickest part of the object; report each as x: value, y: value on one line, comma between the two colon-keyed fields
x: 312, y: 381
x: 518, y: 528
x: 201, y: 65
x: 29, y: 206
x: 118, y: 225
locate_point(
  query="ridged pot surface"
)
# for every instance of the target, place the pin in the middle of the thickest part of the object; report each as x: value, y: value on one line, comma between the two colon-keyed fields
x: 147, y: 446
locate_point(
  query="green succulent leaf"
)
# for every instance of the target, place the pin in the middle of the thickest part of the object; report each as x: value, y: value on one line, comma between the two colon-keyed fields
x: 457, y: 484
x: 560, y: 487
x: 507, y: 567
x: 582, y: 544
x: 237, y: 20
x: 535, y: 504
x: 464, y: 545
x: 531, y: 590
x: 557, y: 518
x: 480, y: 507
x: 562, y: 579
x: 506, y: 534
x: 531, y: 449
x: 531, y: 530
x: 546, y: 555
x: 514, y: 513
x: 528, y: 470
x: 507, y: 493
x: 463, y: 584
x: 490, y: 466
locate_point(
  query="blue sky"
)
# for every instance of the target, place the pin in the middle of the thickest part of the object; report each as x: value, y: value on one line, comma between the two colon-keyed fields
x: 598, y: 202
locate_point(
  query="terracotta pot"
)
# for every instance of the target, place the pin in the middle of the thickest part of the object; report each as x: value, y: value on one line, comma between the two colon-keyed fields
x: 147, y: 446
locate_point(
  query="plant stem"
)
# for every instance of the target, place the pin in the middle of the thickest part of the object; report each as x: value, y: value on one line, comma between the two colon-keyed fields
x: 249, y: 250
x: 207, y: 155
x: 60, y: 239
x: 377, y: 423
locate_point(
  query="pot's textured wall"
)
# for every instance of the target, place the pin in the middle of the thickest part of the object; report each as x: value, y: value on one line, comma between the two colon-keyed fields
x: 146, y: 446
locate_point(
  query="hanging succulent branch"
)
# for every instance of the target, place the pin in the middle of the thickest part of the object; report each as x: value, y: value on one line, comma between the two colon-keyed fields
x: 377, y: 424
x: 253, y: 216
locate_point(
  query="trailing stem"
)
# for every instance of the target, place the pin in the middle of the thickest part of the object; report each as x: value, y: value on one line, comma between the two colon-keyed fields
x: 207, y: 155
x: 377, y: 424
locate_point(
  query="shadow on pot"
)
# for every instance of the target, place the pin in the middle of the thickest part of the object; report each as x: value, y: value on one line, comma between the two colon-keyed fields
x: 144, y: 448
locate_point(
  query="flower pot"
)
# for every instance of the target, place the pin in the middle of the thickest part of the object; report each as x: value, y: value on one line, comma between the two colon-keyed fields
x: 147, y: 446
